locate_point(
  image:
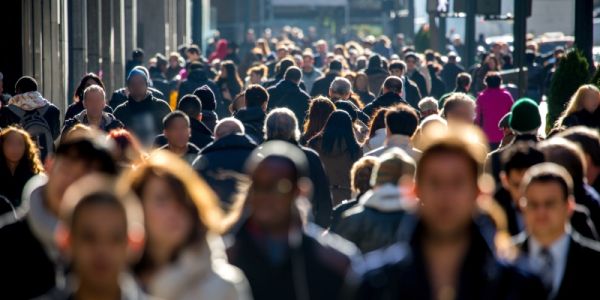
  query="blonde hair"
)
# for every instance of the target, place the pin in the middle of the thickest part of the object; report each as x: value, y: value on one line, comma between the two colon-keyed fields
x: 574, y: 103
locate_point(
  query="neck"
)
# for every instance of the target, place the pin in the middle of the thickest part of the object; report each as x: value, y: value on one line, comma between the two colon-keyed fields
x: 458, y: 237
x: 548, y: 239
x: 12, y: 166
x: 94, y: 120
x: 138, y: 98
x: 109, y: 292
x: 178, y: 150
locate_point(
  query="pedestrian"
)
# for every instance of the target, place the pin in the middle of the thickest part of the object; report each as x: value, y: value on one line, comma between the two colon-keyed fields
x: 589, y: 141
x: 177, y: 132
x: 428, y: 106
x: 413, y: 73
x: 94, y: 112
x: 377, y: 131
x: 376, y: 73
x: 230, y: 84
x: 492, y: 104
x: 253, y: 116
x: 77, y: 106
x: 391, y: 95
x: 321, y: 85
x: 121, y: 95
x: 318, y: 112
x: 450, y: 71
x: 582, y: 109
x: 209, y: 104
x: 410, y: 91
x: 459, y: 108
x: 361, y: 88
x: 463, y: 85
x: 287, y: 93
x: 310, y: 73
x: 401, y: 123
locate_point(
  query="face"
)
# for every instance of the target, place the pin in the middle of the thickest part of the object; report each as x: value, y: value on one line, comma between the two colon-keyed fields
x: 322, y: 48
x: 137, y: 87
x: 461, y: 113
x: 173, y: 62
x: 272, y: 195
x: 13, y: 147
x: 411, y: 63
x: 590, y: 101
x: 63, y: 171
x: 94, y: 103
x: 447, y: 189
x: 545, y: 210
x: 308, y: 62
x: 511, y: 182
x: 99, y: 244
x: 281, y: 53
x: 192, y: 56
x: 178, y: 133
x: 397, y: 72
x: 169, y: 224
x: 361, y: 83
x: 255, y: 78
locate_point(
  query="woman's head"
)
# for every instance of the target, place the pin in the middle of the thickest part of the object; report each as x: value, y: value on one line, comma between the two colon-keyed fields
x: 17, y: 147
x: 361, y: 82
x: 87, y: 81
x: 257, y: 74
x: 492, y: 62
x: 587, y: 97
x: 338, y: 134
x: 128, y: 149
x: 318, y: 113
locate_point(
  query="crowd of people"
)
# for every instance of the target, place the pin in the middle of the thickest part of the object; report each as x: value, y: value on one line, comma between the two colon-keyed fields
x: 368, y: 172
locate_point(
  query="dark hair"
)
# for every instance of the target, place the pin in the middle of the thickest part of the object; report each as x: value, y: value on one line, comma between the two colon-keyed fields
x: 207, y: 97
x: 462, y: 80
x: 448, y: 148
x: 402, y: 119
x: 318, y: 112
x: 410, y: 55
x: 233, y: 81
x: 393, y: 84
x: 397, y: 64
x: 193, y: 48
x: 26, y: 84
x: 137, y: 53
x: 377, y: 121
x: 190, y: 105
x: 93, y: 151
x: 256, y: 96
x: 96, y: 199
x: 170, y: 117
x: 282, y: 67
x: 335, y: 65
x: 549, y: 173
x: 587, y: 138
x: 493, y: 80
x: 338, y: 135
x: 293, y: 74
x: 81, y: 87
x: 567, y: 154
x: 520, y: 156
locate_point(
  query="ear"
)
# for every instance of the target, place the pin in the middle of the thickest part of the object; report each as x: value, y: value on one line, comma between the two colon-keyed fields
x: 504, y: 180
x: 136, y: 241
x: 49, y: 163
x: 200, y: 117
x: 62, y: 236
x: 571, y: 205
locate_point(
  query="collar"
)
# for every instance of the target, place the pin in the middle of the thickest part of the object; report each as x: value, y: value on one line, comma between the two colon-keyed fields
x: 398, y: 140
x: 558, y: 249
x: 385, y: 198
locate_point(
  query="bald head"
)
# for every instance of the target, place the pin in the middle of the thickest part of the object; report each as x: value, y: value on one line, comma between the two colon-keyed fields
x: 227, y: 127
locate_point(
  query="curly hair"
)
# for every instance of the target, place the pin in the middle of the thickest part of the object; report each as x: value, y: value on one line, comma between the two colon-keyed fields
x: 31, y: 159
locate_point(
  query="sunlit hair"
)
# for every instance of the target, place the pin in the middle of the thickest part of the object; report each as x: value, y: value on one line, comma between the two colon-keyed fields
x: 575, y: 103
x: 360, y: 174
x: 81, y: 87
x: 377, y: 121
x: 30, y: 159
x: 455, y: 100
x: 129, y: 148
x: 319, y: 111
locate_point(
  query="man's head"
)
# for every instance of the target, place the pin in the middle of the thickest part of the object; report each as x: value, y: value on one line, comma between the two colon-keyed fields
x: 256, y: 96
x: 282, y: 52
x: 589, y: 141
x: 393, y: 84
x: 26, y: 84
x: 547, y: 202
x: 393, y: 167
x: 463, y: 81
x: 293, y: 74
x: 206, y: 97
x: 447, y: 179
x: 428, y: 106
x: 193, y: 53
x: 281, y: 124
x: 94, y: 100
x: 138, y: 55
x: 335, y: 66
x: 191, y: 106
x: 397, y: 68
x: 411, y: 60
x: 321, y: 46
x: 493, y: 80
x: 459, y: 108
x: 177, y: 129
x: 567, y: 154
x: 516, y: 160
x: 360, y: 174
x: 401, y: 120
x: 228, y: 126
x: 137, y: 84
x: 340, y: 89
x: 308, y: 60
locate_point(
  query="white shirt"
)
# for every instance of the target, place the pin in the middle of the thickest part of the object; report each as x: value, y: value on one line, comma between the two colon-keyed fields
x: 559, y: 251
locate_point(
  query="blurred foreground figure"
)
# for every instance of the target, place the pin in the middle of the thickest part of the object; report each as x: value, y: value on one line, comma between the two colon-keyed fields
x: 447, y: 256
x: 279, y: 258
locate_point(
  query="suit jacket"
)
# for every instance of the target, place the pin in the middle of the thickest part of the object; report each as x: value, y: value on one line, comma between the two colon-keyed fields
x: 583, y: 259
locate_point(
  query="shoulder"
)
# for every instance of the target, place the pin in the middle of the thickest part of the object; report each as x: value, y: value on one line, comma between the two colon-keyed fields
x: 590, y: 246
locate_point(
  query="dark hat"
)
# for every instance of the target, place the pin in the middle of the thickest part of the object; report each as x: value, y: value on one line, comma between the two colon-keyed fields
x: 525, y: 116
x: 335, y: 65
x: 207, y: 97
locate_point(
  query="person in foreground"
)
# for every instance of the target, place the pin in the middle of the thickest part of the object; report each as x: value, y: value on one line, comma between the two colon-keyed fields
x: 446, y: 256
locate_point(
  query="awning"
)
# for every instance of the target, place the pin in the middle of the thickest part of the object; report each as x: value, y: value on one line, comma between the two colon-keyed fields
x: 309, y: 2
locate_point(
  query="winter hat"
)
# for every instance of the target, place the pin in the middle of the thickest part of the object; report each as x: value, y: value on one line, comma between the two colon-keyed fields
x: 207, y: 97
x: 137, y: 72
x: 525, y: 116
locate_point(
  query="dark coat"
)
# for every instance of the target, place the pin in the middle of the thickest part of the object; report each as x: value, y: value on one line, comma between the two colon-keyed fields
x: 11, y: 185
x: 366, y: 97
x: 288, y: 94
x: 253, y: 119
x: 120, y: 96
x: 385, y: 100
x: 201, y: 135
x: 143, y: 118
x: 438, y: 88
x: 376, y: 78
x: 162, y: 84
x: 109, y: 122
x: 419, y: 79
x: 583, y: 260
x: 449, y: 73
x: 400, y: 272
x: 583, y: 118
x: 493, y: 165
x: 197, y: 78
x: 413, y: 94
x: 339, y: 210
x: 190, y: 155
x: 321, y: 85
x: 313, y: 269
x: 225, y: 155
x: 77, y: 107
x: 210, y: 119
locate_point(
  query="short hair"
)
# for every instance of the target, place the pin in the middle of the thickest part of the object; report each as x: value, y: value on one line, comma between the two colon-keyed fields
x: 93, y: 88
x: 340, y: 86
x: 567, y: 154
x: 360, y: 174
x: 587, y: 138
x: 463, y: 79
x: 402, y: 119
x: 548, y: 173
x: 170, y: 117
x: 26, y: 84
x: 281, y: 124
x: 520, y: 156
x: 256, y: 96
x: 193, y: 48
x: 428, y: 104
x: 137, y: 53
x: 293, y: 74
x: 493, y: 80
x: 335, y: 65
x: 95, y: 151
x: 455, y: 100
x: 393, y: 84
x: 392, y: 166
x: 190, y: 105
x: 411, y: 55
x: 227, y: 126
x: 397, y: 64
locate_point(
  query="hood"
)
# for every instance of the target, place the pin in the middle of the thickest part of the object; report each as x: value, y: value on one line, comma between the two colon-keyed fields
x: 233, y: 141
x: 29, y: 101
x: 107, y: 118
x: 385, y: 198
x: 197, y: 75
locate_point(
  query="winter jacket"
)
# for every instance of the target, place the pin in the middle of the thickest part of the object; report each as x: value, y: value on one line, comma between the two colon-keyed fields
x: 210, y: 119
x: 411, y: 92
x: 253, y: 119
x: 190, y: 155
x: 583, y: 118
x: 143, y: 118
x: 366, y: 97
x: 77, y: 107
x: 419, y: 79
x: 288, y: 94
x: 201, y: 135
x: 374, y: 222
x: 449, y: 74
x: 402, y: 142
x: 321, y: 85
x: 120, y: 96
x: 12, y: 185
x: 222, y: 162
x: 376, y: 78
x: 438, y: 88
x: 201, y: 272
x: 375, y: 141
x: 385, y: 100
x: 109, y: 122
x: 492, y: 105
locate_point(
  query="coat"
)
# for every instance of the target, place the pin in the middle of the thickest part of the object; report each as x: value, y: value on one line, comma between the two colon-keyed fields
x: 400, y: 271
x: 492, y: 105
x: 143, y: 118
x: 374, y: 222
x: 412, y: 92
x: 397, y: 141
x: 583, y: 118
x: 419, y: 79
x: 385, y: 100
x: 449, y: 73
x: 210, y: 119
x: 253, y: 119
x: 583, y: 260
x: 120, y: 96
x: 316, y: 267
x: 321, y: 85
x: 77, y: 107
x: 109, y: 122
x: 201, y: 135
x: 189, y: 156
x: 11, y: 185
x: 376, y: 78
x: 221, y: 161
x: 375, y: 141
x: 288, y: 94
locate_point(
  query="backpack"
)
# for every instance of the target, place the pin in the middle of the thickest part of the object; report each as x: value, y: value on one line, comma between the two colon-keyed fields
x: 35, y: 124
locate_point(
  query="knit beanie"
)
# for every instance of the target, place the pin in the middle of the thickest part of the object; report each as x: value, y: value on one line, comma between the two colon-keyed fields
x: 207, y: 97
x: 137, y: 72
x: 525, y: 116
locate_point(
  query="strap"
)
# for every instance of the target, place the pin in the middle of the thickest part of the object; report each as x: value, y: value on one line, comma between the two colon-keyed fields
x: 17, y: 110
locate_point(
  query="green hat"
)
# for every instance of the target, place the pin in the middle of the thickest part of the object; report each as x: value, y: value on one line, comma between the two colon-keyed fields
x: 525, y: 116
